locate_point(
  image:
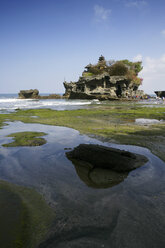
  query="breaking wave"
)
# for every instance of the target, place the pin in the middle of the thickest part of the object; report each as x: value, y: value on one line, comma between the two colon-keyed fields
x: 11, y: 104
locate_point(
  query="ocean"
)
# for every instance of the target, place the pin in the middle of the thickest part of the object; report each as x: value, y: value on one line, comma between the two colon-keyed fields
x: 10, y: 102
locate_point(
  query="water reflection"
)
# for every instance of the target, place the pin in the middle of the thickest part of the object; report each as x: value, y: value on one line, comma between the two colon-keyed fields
x: 130, y: 214
x: 103, y: 167
x: 97, y: 177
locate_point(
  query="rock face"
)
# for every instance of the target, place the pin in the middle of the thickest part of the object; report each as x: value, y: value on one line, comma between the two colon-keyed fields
x: 103, y: 167
x: 25, y: 94
x: 160, y: 93
x: 51, y: 96
x: 102, y: 86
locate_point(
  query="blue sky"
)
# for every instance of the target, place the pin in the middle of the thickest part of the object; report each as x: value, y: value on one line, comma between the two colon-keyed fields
x: 43, y: 42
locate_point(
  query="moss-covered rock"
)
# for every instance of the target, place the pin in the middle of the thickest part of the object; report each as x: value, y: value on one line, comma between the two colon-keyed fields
x: 25, y: 217
x: 111, y: 121
x: 26, y: 139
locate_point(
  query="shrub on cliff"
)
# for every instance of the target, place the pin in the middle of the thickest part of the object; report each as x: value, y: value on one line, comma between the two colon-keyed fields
x: 135, y: 66
x: 95, y: 70
x: 118, y: 69
x: 131, y: 76
x: 115, y: 68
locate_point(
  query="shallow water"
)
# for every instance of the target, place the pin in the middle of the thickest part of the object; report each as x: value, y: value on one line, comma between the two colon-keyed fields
x: 130, y: 214
x: 152, y: 102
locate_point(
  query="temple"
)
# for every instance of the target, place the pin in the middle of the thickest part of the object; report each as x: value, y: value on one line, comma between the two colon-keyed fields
x: 101, y: 81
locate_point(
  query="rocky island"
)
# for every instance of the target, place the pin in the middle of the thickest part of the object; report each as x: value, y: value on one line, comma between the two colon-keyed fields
x: 34, y: 94
x: 107, y: 80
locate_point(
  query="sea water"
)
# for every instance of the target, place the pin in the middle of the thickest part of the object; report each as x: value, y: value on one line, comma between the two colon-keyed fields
x: 10, y: 103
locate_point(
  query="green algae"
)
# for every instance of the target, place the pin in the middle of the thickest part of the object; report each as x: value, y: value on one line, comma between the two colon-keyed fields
x: 113, y: 121
x: 26, y: 139
x: 25, y: 217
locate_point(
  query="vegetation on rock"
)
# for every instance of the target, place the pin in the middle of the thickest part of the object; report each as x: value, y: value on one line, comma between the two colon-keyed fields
x: 118, y: 69
x: 114, y: 121
x: 135, y: 66
x: 115, y: 68
x: 25, y: 217
x: 26, y: 139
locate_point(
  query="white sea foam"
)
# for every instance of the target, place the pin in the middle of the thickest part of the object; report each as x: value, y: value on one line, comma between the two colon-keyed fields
x: 10, y: 104
x: 143, y: 121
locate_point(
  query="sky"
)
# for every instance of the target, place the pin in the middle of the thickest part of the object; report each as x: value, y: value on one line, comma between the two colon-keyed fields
x: 44, y: 42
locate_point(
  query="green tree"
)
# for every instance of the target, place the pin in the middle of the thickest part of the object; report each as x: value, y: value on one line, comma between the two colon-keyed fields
x: 118, y: 69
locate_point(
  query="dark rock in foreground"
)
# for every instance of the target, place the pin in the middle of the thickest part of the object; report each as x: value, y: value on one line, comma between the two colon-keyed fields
x: 102, y: 167
x: 107, y: 158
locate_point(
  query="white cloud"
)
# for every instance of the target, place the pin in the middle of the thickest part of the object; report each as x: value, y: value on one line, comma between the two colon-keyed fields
x: 137, y: 58
x: 153, y: 74
x: 135, y: 3
x: 101, y: 14
x: 163, y: 32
